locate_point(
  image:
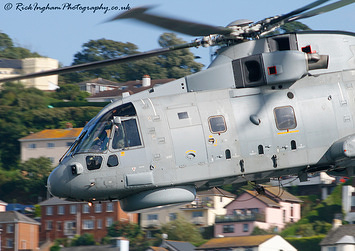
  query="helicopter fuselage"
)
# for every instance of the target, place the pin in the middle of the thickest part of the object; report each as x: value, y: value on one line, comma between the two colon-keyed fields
x: 264, y: 108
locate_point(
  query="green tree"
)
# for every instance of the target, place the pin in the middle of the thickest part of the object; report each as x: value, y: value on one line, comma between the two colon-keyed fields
x: 178, y: 63
x: 182, y: 230
x: 171, y: 65
x: 83, y: 240
x: 8, y: 50
x: 102, y: 49
x: 28, y: 183
x: 293, y: 27
x: 70, y: 92
x: 130, y: 231
x: 290, y: 27
x: 25, y: 110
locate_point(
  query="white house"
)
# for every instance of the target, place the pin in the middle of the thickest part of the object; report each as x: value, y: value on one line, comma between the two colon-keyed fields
x: 50, y: 143
x: 16, y: 67
x: 250, y: 243
x: 348, y: 202
x: 340, y: 238
x: 201, y: 212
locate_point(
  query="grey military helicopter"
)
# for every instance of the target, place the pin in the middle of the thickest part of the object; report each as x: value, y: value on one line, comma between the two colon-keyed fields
x: 267, y: 106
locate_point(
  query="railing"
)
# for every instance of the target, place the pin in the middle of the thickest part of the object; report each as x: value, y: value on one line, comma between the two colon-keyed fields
x: 200, y: 204
x: 236, y: 218
x: 69, y: 231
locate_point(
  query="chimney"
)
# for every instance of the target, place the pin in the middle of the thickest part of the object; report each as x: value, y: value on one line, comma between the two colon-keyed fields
x: 336, y: 223
x: 121, y: 243
x: 146, y: 81
x: 69, y: 125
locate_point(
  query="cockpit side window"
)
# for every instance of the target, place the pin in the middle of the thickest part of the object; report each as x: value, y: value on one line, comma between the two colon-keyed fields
x: 126, y: 134
x: 98, y: 135
x: 97, y: 140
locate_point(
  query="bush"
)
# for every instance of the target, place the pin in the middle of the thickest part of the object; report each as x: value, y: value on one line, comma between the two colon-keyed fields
x: 84, y: 240
x: 306, y: 243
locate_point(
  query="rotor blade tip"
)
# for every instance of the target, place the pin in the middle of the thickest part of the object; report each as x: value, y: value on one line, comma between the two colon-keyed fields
x: 132, y: 12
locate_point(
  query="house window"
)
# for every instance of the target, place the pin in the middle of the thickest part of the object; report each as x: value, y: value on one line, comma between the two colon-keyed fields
x: 98, y: 208
x: 69, y: 228
x: 245, y: 227
x: 109, y: 221
x: 9, y: 228
x: 51, y: 159
x: 59, y: 226
x: 228, y: 228
x: 9, y: 243
x: 23, y: 244
x: 332, y: 248
x: 49, y: 225
x: 72, y: 209
x: 172, y: 216
x: 49, y: 210
x: 99, y: 224
x: 60, y: 210
x: 32, y: 146
x: 88, y: 224
x: 109, y: 207
x: 217, y: 124
x: 86, y: 209
x: 197, y: 214
x: 50, y: 145
x: 152, y: 217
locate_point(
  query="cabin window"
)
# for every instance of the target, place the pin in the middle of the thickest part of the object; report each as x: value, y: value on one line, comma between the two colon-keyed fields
x: 217, y: 124
x: 126, y: 134
x: 285, y: 118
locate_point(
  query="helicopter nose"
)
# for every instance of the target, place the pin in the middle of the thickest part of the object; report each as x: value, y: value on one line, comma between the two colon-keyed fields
x: 58, y: 184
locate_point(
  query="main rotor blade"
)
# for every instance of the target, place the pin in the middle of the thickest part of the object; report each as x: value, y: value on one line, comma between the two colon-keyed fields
x: 321, y: 10
x: 93, y: 65
x: 182, y: 26
x: 303, y: 9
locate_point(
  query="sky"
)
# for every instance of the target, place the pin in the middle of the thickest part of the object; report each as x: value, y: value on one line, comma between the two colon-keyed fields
x: 60, y: 31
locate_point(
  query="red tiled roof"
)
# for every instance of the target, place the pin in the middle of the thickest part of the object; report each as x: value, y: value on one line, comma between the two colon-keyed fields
x: 216, y: 192
x: 272, y: 196
x: 158, y: 249
x: 54, y: 134
x: 270, y: 202
x: 100, y: 81
x: 282, y: 194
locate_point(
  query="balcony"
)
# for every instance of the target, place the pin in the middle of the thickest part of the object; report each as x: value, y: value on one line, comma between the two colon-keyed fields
x: 239, y: 218
x: 70, y: 231
x: 199, y: 205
